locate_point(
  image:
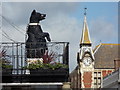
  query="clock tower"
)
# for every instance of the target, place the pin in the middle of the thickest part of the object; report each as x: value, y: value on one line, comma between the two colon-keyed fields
x: 85, y: 58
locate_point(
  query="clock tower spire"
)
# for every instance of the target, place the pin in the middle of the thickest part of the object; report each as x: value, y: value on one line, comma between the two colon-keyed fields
x: 85, y: 39
x: 85, y: 57
x: 85, y: 42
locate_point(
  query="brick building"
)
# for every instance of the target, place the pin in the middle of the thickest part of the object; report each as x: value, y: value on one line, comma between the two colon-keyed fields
x: 93, y: 64
x: 112, y: 80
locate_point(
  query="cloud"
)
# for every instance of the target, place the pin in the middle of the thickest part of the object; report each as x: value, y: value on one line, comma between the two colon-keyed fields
x: 65, y: 29
x: 20, y: 11
x: 103, y: 31
x: 59, y: 23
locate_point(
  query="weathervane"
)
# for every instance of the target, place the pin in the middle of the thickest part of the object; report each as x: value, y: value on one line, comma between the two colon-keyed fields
x: 85, y: 11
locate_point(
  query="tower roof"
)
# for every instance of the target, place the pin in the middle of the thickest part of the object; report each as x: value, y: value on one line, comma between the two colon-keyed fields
x: 85, y: 39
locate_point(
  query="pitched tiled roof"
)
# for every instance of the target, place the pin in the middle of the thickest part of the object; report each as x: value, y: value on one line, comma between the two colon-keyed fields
x: 105, y: 55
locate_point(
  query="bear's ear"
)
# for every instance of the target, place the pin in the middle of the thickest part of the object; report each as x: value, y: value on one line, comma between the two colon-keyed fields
x: 33, y: 12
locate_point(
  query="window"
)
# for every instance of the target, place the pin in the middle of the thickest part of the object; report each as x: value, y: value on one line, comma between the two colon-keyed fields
x: 99, y: 74
x: 95, y: 74
x: 97, y: 79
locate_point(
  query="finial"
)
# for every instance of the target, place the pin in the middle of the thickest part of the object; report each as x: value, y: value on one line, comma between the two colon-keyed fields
x: 85, y: 11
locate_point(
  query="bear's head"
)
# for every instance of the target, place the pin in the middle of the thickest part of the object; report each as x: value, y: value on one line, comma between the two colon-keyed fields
x: 36, y: 17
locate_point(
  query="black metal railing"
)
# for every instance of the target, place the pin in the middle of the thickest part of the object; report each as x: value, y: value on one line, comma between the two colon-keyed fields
x: 17, y: 55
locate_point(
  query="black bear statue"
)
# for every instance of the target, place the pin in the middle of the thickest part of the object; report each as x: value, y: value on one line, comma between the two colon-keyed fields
x: 36, y: 43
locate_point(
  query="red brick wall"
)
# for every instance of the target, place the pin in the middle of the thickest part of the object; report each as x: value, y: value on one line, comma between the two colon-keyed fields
x: 109, y: 71
x: 106, y: 72
x: 87, y: 79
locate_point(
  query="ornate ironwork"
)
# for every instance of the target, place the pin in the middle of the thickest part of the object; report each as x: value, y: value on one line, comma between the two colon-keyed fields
x: 16, y: 54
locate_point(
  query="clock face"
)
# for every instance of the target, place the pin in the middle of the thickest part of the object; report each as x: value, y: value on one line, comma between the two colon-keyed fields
x: 87, y: 61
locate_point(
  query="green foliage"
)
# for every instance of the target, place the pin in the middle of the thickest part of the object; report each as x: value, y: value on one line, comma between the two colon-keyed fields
x: 48, y: 63
x: 5, y: 64
x: 46, y: 66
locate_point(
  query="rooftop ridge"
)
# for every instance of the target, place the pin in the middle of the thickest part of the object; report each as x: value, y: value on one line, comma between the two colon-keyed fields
x: 96, y: 48
x: 110, y: 44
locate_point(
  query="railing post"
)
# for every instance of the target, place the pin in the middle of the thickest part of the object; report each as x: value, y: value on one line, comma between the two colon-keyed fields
x: 66, y: 54
x: 17, y: 58
x: 21, y: 58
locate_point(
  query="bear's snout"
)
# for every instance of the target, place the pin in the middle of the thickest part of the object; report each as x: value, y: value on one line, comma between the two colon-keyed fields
x: 43, y: 15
